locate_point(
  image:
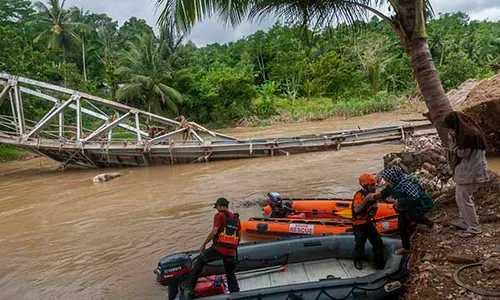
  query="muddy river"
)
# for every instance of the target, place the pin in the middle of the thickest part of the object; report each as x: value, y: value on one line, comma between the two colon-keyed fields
x: 62, y: 237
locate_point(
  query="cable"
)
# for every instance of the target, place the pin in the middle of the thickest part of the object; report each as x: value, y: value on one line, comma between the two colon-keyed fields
x: 472, y: 288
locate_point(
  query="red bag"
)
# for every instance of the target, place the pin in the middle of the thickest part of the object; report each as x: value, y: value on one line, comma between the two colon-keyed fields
x: 210, y: 286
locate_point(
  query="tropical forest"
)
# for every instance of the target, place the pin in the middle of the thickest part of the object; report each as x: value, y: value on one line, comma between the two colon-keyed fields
x: 287, y: 73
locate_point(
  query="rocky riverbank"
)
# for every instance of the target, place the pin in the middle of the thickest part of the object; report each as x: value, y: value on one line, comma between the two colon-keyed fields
x: 436, y: 258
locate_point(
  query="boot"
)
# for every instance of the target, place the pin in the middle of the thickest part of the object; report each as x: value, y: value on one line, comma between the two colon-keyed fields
x: 358, y: 265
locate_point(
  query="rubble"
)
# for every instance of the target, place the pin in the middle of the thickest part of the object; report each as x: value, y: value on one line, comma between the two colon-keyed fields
x: 435, y: 258
x: 425, y: 160
x: 491, y: 265
x: 461, y: 258
x: 481, y: 100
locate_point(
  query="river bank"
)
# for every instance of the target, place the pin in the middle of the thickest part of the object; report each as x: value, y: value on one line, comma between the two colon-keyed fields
x: 435, y: 259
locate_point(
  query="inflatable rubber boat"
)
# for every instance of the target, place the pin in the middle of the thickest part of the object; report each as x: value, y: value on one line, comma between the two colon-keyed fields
x: 305, y: 267
x: 317, y: 208
x: 269, y: 228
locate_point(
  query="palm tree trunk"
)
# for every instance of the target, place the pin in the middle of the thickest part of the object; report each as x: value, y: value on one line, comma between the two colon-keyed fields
x: 83, y: 60
x: 410, y: 27
x: 430, y: 84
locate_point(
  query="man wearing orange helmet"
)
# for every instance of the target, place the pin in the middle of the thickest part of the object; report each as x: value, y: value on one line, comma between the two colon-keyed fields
x: 364, y: 208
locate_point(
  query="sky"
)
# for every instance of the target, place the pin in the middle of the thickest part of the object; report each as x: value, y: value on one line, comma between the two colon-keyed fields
x: 211, y: 31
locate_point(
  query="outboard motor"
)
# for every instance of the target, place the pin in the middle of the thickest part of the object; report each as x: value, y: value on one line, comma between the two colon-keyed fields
x: 172, y: 270
x: 280, y: 208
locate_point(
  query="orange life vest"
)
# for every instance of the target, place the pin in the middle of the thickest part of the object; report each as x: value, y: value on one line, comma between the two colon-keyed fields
x: 228, y: 236
x: 368, y: 211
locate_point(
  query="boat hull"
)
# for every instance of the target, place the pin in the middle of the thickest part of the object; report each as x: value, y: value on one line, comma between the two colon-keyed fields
x: 330, y: 208
x: 252, y: 256
x: 267, y: 228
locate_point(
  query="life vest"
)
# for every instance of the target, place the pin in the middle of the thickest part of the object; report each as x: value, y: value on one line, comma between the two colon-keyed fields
x: 228, y: 236
x: 368, y: 212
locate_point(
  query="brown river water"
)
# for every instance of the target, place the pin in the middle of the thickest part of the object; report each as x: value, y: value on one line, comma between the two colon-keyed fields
x: 62, y: 237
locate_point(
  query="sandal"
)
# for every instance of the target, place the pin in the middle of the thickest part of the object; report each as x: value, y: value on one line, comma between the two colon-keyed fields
x: 466, y: 235
x: 402, y: 251
x: 458, y: 224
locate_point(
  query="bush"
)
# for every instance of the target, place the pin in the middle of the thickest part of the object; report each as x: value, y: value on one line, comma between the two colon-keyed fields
x: 457, y: 69
x: 8, y: 153
x: 228, y: 94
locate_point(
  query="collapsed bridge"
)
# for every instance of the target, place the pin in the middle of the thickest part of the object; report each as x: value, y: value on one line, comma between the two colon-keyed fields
x: 79, y: 129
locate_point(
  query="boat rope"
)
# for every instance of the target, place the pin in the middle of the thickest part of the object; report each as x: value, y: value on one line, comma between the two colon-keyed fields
x: 472, y: 288
x: 264, y: 260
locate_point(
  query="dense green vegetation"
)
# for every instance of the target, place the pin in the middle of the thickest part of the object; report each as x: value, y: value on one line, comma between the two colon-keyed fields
x: 11, y: 153
x: 286, y: 73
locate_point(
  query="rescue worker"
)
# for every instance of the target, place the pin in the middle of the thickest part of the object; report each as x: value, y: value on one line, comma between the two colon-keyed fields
x: 225, y: 237
x: 364, y: 208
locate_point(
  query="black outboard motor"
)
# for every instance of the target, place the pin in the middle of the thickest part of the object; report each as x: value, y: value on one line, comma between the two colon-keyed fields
x: 280, y: 208
x: 172, y: 270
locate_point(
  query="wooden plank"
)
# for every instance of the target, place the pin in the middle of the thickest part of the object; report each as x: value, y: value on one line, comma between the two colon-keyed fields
x: 348, y: 266
x: 317, y: 270
x: 295, y: 273
x: 251, y: 283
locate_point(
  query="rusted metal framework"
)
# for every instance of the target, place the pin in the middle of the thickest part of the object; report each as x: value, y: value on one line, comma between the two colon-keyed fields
x: 80, y: 129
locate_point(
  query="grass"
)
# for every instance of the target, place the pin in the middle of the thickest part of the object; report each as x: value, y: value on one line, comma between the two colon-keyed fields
x: 323, y: 108
x: 8, y: 153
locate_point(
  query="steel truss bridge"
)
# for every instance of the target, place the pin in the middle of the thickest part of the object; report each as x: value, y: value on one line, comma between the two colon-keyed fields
x: 78, y: 129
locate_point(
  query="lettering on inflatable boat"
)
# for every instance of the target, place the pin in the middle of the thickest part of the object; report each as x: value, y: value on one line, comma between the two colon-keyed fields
x: 301, y: 228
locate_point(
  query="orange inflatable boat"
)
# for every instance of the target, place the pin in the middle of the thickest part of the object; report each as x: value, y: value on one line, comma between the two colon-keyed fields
x: 317, y: 208
x: 266, y: 228
x: 302, y: 216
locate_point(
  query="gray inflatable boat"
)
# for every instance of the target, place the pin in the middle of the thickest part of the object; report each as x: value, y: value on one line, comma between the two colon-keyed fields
x: 317, y: 267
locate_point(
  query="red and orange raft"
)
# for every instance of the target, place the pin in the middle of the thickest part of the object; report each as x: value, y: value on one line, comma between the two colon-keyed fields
x: 267, y: 228
x: 291, y: 217
x: 322, y: 208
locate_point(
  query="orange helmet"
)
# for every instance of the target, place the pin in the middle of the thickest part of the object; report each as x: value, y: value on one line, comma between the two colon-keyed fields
x: 367, y: 179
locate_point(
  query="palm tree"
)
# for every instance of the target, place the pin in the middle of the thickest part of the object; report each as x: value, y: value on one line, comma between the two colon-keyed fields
x: 107, y: 44
x: 78, y: 17
x: 146, y: 74
x: 407, y: 20
x: 57, y: 25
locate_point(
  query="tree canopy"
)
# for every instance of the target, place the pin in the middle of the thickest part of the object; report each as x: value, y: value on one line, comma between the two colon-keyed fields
x: 283, y: 70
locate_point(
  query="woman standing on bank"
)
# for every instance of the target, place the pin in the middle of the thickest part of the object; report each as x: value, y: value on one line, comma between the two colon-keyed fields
x: 467, y: 142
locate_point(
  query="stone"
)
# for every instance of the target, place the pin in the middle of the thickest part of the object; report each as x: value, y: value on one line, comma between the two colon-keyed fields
x: 428, y: 257
x: 430, y: 168
x: 407, y: 158
x: 461, y: 258
x: 448, y: 275
x: 491, y: 265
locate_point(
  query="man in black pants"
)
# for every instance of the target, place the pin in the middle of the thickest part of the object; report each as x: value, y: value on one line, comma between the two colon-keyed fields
x: 364, y: 208
x: 225, y: 236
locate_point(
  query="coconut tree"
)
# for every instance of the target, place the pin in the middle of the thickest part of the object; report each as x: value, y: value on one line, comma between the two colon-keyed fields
x: 407, y: 19
x: 107, y: 55
x: 58, y: 27
x: 78, y: 16
x: 146, y: 74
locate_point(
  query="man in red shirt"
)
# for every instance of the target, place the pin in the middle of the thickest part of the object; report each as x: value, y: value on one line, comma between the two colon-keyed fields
x: 225, y: 236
